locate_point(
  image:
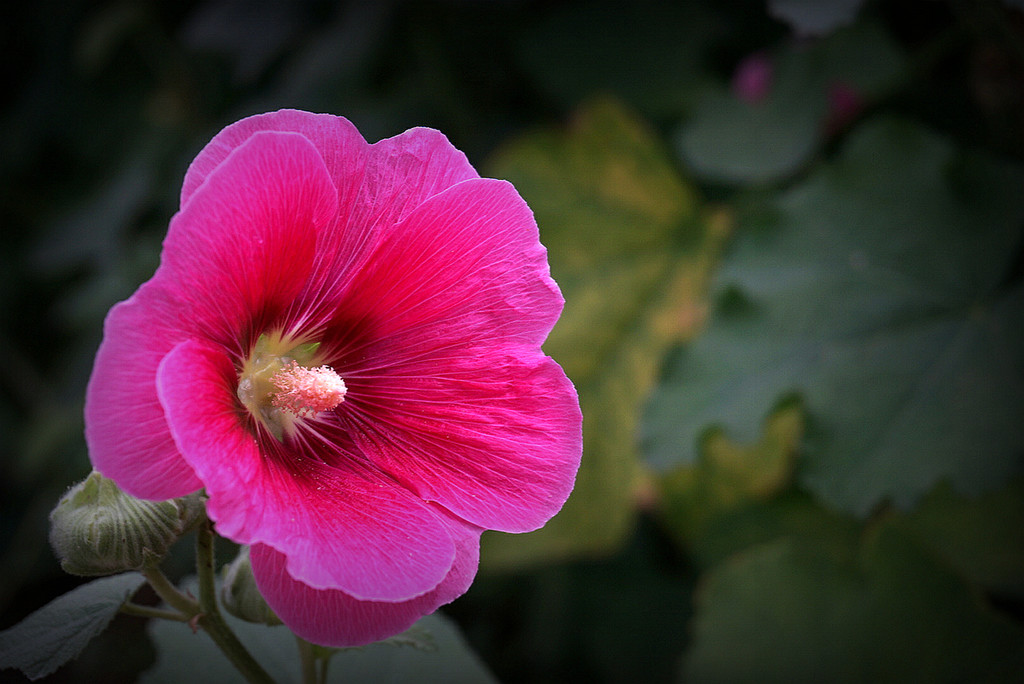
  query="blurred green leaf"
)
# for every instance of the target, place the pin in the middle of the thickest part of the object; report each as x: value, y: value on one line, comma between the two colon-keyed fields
x: 877, y: 294
x: 106, y: 30
x: 447, y: 659
x: 981, y: 536
x: 884, y: 611
x: 631, y: 254
x: 92, y: 234
x: 620, y: 618
x: 60, y: 630
x: 649, y: 54
x: 251, y: 35
x: 729, y: 476
x: 729, y: 139
x: 791, y: 514
x: 187, y: 656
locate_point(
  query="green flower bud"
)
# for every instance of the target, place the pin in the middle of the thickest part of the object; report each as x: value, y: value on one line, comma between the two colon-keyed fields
x: 239, y: 594
x: 96, y: 529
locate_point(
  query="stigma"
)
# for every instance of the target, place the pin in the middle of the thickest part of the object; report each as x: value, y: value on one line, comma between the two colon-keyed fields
x: 282, y: 383
x: 306, y: 392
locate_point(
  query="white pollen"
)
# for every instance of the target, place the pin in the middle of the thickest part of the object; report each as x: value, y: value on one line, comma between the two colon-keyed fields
x: 307, y: 391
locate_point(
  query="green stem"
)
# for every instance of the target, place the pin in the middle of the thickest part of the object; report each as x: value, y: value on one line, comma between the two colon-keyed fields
x: 210, y: 618
x: 324, y: 662
x: 308, y: 659
x: 205, y: 568
x: 151, y: 612
x: 172, y: 596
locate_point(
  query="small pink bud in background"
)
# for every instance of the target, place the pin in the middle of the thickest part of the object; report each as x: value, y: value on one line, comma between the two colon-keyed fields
x: 752, y: 80
x: 845, y: 103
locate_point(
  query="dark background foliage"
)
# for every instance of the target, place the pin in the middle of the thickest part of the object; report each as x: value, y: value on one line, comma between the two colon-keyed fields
x: 801, y: 551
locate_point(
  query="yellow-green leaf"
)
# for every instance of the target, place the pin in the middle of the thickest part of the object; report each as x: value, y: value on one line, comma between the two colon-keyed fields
x: 729, y: 476
x: 631, y: 250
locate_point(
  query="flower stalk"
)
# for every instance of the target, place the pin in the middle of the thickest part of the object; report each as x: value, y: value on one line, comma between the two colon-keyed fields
x: 151, y: 612
x: 203, y: 612
x: 210, y: 618
x: 186, y: 606
x: 308, y: 659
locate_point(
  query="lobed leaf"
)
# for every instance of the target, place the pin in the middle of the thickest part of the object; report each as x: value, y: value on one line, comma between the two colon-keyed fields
x: 729, y: 477
x: 978, y: 536
x: 790, y: 611
x: 432, y: 650
x: 879, y: 294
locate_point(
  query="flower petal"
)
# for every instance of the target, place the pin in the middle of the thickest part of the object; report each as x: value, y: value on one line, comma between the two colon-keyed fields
x: 333, y: 618
x: 497, y: 441
x: 403, y: 172
x: 438, y: 344
x: 346, y: 526
x: 125, y: 426
x: 338, y: 142
x: 400, y: 174
x: 466, y: 265
x: 243, y: 247
x: 391, y: 177
x: 376, y: 184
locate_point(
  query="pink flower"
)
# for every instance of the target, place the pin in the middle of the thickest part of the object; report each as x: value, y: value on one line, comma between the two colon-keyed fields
x: 342, y: 345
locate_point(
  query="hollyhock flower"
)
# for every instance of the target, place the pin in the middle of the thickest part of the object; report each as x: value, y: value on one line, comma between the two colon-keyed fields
x: 342, y: 346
